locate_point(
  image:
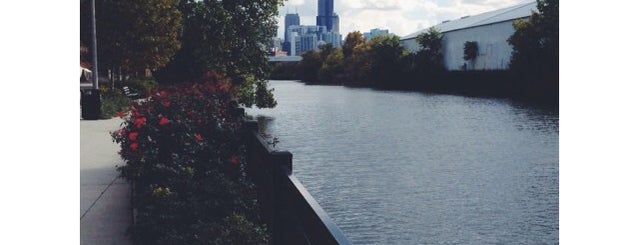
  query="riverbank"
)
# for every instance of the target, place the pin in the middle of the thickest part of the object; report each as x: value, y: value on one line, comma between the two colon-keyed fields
x: 485, y: 84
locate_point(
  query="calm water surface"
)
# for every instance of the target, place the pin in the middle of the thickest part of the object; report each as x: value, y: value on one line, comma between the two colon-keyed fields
x: 395, y: 167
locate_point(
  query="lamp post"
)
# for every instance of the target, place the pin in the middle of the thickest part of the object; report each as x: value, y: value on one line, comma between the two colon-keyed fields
x: 90, y: 99
x: 94, y: 45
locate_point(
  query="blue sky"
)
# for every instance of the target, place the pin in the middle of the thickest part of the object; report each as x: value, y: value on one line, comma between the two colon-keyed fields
x: 401, y: 17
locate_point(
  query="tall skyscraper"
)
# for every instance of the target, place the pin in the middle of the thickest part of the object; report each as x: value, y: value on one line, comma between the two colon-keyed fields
x: 289, y: 20
x: 326, y: 16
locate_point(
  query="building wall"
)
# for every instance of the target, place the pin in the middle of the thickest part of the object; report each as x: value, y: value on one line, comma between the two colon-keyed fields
x: 493, y: 54
x: 493, y: 49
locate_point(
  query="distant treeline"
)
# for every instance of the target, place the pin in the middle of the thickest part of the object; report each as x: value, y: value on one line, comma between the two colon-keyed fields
x: 382, y: 62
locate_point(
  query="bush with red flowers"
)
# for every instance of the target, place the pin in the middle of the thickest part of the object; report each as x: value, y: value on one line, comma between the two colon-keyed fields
x: 183, y: 152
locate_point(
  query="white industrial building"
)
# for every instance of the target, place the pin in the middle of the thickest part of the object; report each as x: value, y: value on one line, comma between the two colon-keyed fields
x: 490, y: 30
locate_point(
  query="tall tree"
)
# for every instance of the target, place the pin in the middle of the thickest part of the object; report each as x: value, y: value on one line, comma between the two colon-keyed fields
x: 227, y: 36
x: 430, y: 55
x: 352, y: 40
x: 357, y: 67
x: 310, y: 66
x: 535, y: 57
x: 133, y: 35
x: 332, y: 69
x: 385, y: 55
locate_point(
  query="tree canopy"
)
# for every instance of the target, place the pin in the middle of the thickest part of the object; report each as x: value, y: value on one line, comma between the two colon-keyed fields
x: 535, y: 56
x: 133, y: 35
x: 536, y: 42
x: 227, y: 36
x: 430, y: 55
x: 352, y: 40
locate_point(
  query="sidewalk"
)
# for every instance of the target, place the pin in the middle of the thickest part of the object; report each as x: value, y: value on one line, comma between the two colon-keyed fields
x: 105, y: 199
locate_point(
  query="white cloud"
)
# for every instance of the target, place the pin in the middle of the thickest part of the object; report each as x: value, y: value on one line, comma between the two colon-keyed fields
x: 400, y: 17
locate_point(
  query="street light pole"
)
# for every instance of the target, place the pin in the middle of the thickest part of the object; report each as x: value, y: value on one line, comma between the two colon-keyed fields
x: 90, y: 99
x: 94, y: 46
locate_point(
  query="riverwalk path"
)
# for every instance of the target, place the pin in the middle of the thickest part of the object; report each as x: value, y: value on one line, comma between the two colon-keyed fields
x: 105, y: 199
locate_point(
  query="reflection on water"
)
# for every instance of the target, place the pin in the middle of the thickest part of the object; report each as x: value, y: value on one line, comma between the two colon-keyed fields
x: 413, y: 168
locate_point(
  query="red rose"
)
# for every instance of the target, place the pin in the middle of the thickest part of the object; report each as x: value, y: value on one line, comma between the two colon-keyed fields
x: 198, y: 137
x: 162, y: 94
x: 120, y: 114
x: 133, y: 136
x: 233, y: 160
x: 166, y: 103
x: 134, y: 146
x: 139, y: 121
x: 163, y: 121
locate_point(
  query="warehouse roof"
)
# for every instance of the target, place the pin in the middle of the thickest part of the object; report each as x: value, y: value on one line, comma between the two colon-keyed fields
x: 496, y: 16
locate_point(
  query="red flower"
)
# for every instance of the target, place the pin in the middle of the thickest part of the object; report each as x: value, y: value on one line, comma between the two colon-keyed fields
x: 163, y: 121
x: 166, y: 103
x: 134, y: 146
x: 133, y: 136
x: 121, y: 131
x: 162, y: 94
x: 233, y: 160
x: 139, y: 121
x: 120, y: 114
x: 210, y: 87
x: 198, y: 137
x: 222, y: 87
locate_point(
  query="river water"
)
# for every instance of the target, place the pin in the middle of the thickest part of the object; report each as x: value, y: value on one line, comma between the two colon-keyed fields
x: 394, y: 167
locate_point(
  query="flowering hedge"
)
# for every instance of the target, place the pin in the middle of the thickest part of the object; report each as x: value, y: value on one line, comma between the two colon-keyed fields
x: 184, y: 154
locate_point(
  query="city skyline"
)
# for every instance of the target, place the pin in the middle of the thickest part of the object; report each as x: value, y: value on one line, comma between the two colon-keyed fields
x: 399, y: 17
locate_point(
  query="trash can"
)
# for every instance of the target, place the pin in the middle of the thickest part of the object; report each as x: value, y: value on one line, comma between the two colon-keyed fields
x: 90, y: 104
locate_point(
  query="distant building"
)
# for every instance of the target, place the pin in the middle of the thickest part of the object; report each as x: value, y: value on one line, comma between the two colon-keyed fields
x: 289, y: 20
x: 293, y: 44
x: 275, y: 46
x: 375, y: 32
x: 304, y: 38
x: 490, y: 30
x: 326, y: 15
x: 332, y: 38
x: 284, y: 58
x: 301, y: 38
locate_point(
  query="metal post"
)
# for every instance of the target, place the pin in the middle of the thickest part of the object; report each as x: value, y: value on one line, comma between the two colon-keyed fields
x: 94, y: 46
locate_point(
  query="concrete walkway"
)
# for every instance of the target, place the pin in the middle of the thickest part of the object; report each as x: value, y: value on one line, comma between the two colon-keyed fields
x: 105, y: 199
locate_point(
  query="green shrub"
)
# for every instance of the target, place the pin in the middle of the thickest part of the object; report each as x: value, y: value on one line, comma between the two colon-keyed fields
x: 112, y: 102
x: 184, y: 152
x: 145, y: 85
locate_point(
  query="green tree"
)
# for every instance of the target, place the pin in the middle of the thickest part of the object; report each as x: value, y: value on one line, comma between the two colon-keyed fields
x: 352, y: 40
x: 310, y: 66
x: 325, y: 50
x: 430, y: 57
x: 332, y: 69
x: 133, y: 35
x: 385, y: 54
x: 357, y: 67
x: 228, y: 37
x: 535, y: 56
x: 536, y: 42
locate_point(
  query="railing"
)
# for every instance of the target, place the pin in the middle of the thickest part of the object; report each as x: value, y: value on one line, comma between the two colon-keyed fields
x: 291, y: 213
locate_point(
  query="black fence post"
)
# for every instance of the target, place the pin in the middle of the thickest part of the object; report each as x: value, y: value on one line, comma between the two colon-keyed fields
x: 282, y: 163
